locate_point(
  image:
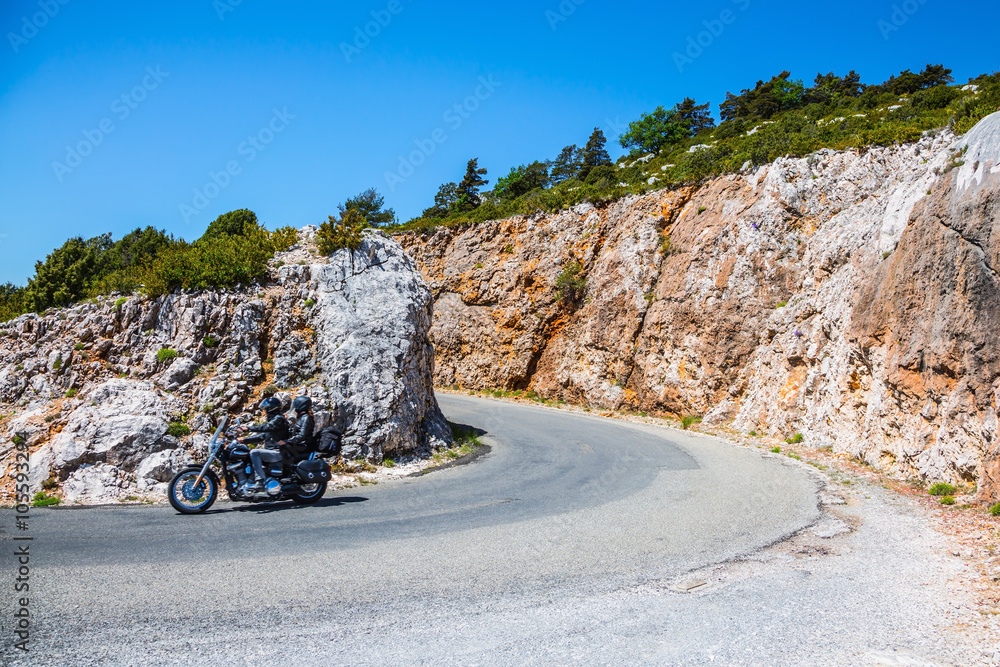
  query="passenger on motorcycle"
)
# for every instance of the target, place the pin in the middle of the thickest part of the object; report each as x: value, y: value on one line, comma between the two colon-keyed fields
x: 300, y: 444
x: 270, y: 434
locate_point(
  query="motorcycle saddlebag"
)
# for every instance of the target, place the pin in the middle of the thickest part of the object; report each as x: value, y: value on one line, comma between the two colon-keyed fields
x: 310, y: 472
x: 328, y: 441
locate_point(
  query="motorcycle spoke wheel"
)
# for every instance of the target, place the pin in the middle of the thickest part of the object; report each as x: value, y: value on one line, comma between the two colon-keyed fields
x: 189, y: 496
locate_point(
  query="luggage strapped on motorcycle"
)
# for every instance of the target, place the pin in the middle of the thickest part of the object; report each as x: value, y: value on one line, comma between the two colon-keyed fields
x: 328, y: 442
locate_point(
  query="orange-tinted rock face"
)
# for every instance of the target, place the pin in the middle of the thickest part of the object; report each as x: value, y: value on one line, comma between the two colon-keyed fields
x: 850, y: 297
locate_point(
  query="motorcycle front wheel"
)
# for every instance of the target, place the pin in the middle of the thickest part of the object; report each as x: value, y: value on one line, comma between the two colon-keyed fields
x: 310, y: 493
x: 188, y: 499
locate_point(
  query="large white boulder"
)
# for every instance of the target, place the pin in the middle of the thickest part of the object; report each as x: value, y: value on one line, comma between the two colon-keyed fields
x: 372, y: 319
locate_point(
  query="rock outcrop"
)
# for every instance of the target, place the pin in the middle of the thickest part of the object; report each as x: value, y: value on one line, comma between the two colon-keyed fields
x: 113, y: 395
x: 850, y: 296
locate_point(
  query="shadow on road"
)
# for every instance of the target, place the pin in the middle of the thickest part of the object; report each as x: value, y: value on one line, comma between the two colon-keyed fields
x: 284, y: 505
x: 465, y: 429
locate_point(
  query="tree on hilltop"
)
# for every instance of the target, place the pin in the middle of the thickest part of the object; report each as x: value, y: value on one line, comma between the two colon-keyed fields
x: 765, y: 99
x: 235, y: 223
x: 594, y: 153
x: 566, y: 165
x: 468, y: 188
x: 664, y: 128
x: 444, y: 201
x: 830, y: 87
x: 370, y: 204
x: 522, y: 180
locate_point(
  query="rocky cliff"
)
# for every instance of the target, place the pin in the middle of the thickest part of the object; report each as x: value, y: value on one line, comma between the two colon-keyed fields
x: 113, y: 395
x: 850, y: 296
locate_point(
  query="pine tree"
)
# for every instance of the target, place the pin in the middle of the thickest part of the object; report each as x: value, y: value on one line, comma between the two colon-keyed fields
x: 567, y: 165
x: 370, y: 205
x: 444, y: 201
x: 594, y: 153
x: 468, y: 189
x: 522, y: 180
x: 696, y: 117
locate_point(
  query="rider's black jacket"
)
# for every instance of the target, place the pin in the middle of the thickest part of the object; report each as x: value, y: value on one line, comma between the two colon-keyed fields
x: 301, y: 441
x: 269, y: 432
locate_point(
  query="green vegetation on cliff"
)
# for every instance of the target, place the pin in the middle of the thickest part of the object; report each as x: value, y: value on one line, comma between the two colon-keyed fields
x: 778, y: 117
x: 234, y: 250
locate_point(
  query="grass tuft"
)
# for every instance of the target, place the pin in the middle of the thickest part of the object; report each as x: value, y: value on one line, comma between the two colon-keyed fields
x: 178, y: 429
x: 689, y: 420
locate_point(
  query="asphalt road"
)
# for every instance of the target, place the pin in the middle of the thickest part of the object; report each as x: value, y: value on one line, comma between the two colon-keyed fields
x: 564, y: 544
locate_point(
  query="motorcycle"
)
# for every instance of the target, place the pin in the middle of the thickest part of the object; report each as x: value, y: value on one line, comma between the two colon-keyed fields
x: 195, y: 488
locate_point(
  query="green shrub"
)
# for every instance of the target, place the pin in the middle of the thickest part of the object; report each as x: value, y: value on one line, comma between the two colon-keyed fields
x: 690, y: 420
x: 165, y: 354
x: 284, y: 238
x: 775, y: 450
x: 995, y: 510
x: 178, y: 429
x: 57, y: 364
x: 120, y: 302
x: 781, y: 305
x: 942, y: 489
x: 309, y: 303
x: 71, y: 393
x: 78, y: 347
x: 795, y: 439
x: 234, y: 223
x: 667, y: 247
x: 947, y: 500
x: 210, y: 341
x: 388, y: 463
x: 569, y: 285
x: 42, y: 499
x: 345, y: 233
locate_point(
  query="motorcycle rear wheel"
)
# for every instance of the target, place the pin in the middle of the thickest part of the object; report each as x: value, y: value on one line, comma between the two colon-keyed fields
x: 310, y: 494
x: 187, y: 499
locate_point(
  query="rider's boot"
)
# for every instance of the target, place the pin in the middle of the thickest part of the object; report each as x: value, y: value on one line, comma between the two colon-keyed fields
x: 252, y: 487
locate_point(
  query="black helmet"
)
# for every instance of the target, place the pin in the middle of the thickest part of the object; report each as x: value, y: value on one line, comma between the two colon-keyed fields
x: 302, y: 404
x: 271, y: 405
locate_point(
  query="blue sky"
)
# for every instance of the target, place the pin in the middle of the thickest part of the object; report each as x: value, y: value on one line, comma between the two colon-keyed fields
x: 189, y: 89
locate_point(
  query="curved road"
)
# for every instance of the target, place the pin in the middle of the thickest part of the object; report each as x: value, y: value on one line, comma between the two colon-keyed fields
x: 529, y: 555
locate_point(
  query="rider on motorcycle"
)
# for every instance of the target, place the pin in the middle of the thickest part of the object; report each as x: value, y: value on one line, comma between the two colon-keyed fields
x: 270, y: 434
